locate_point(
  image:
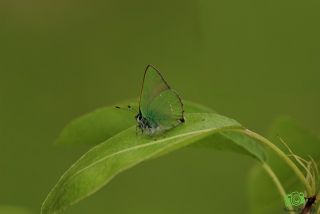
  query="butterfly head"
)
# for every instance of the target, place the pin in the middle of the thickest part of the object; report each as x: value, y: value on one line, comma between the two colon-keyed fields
x: 142, y: 122
x: 139, y: 117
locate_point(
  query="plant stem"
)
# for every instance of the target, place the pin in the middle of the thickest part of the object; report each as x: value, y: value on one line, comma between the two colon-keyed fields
x: 277, y: 182
x: 281, y: 154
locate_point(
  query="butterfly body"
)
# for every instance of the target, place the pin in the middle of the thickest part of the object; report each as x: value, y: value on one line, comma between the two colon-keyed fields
x: 146, y: 125
x: 160, y: 107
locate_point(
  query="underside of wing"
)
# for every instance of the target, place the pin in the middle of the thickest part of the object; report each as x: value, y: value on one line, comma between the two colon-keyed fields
x: 159, y: 104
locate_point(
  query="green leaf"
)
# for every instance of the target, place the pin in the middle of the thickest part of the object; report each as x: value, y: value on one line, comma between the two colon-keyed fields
x: 235, y: 142
x: 263, y: 194
x: 127, y: 149
x: 103, y: 123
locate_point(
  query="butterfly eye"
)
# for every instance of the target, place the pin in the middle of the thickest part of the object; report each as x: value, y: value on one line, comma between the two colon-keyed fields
x: 139, y: 117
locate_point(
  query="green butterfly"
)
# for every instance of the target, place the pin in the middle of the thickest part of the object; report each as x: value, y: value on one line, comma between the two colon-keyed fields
x: 160, y: 107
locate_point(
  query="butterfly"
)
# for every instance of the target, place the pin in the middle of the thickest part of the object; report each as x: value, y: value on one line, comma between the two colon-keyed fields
x: 160, y: 107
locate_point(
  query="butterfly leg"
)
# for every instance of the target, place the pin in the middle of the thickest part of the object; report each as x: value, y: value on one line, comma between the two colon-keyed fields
x: 136, y: 130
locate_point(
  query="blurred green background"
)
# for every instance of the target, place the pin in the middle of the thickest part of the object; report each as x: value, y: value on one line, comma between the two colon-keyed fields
x: 249, y: 60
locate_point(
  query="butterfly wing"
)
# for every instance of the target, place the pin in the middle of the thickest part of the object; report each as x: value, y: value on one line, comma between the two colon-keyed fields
x: 159, y: 104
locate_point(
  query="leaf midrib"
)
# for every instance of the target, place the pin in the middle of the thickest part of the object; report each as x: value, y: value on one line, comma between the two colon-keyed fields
x: 153, y: 143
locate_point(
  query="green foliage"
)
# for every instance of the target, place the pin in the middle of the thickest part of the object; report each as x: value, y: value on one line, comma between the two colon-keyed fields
x: 120, y: 150
x: 103, y: 123
x: 235, y: 142
x: 263, y: 194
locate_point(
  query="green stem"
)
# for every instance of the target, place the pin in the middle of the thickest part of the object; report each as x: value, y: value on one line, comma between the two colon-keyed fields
x: 281, y: 154
x: 277, y: 182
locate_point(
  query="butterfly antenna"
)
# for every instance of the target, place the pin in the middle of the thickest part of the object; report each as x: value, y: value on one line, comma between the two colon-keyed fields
x: 129, y: 108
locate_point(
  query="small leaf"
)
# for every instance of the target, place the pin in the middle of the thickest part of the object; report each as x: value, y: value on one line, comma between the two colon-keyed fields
x: 263, y: 193
x: 126, y: 149
x: 103, y: 123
